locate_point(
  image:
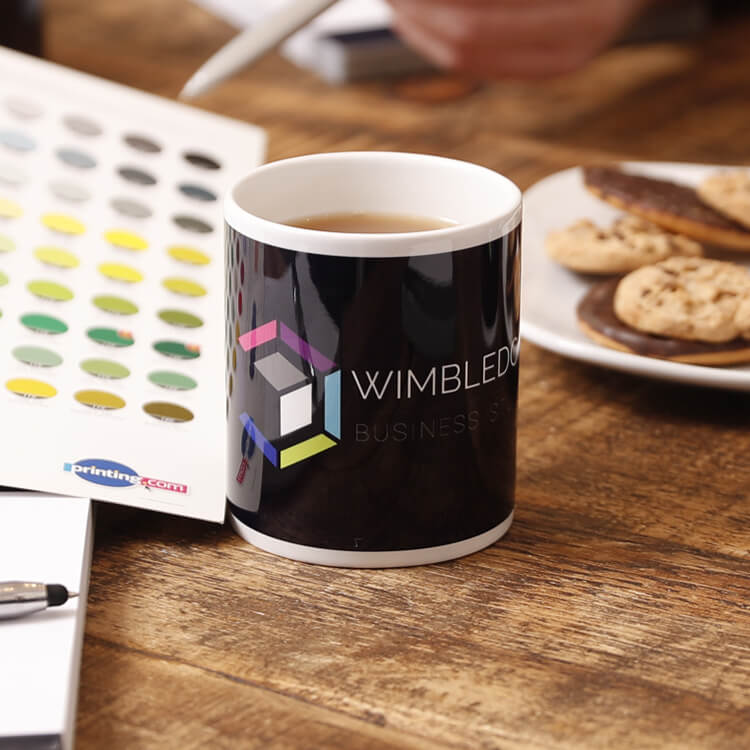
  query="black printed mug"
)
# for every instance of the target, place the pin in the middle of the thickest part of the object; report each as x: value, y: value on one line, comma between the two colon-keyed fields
x: 372, y: 378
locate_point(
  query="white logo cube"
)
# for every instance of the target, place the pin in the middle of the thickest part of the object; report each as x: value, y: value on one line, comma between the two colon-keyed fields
x: 295, y: 409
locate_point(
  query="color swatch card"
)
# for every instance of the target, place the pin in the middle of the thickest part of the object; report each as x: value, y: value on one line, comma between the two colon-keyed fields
x: 112, y: 289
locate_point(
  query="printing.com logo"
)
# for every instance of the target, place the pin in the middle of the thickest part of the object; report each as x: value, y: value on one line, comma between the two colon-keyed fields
x: 114, y: 474
x: 294, y: 390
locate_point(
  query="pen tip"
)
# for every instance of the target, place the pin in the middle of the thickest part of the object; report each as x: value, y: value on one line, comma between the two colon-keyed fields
x: 192, y: 88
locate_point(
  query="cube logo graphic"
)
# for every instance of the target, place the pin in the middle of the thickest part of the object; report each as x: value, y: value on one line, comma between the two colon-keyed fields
x: 294, y: 392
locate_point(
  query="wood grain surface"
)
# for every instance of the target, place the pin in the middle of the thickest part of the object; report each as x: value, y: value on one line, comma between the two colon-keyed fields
x: 615, y: 614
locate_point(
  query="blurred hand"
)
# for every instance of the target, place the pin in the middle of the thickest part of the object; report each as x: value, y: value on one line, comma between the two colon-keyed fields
x: 513, y: 38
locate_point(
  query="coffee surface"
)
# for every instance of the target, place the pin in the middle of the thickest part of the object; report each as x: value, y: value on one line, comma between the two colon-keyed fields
x: 367, y: 222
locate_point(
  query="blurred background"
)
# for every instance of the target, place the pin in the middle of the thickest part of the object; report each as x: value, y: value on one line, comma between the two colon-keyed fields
x: 632, y: 98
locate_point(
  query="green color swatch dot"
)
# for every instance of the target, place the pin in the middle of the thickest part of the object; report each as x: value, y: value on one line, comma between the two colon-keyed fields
x: 3, y: 279
x: 50, y: 290
x: 37, y: 356
x: 6, y: 244
x: 43, y: 323
x: 105, y: 368
x: 118, y: 305
x: 172, y: 380
x: 180, y: 318
x: 110, y: 337
x: 56, y: 256
x: 177, y: 349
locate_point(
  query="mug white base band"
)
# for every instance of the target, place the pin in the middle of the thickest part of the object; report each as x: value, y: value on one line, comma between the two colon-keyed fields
x: 352, y: 559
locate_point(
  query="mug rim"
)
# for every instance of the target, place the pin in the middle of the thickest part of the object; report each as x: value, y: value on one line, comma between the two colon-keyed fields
x: 376, y: 245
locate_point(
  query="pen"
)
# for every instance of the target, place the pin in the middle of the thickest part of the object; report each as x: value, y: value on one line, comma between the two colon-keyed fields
x: 252, y: 43
x: 18, y: 599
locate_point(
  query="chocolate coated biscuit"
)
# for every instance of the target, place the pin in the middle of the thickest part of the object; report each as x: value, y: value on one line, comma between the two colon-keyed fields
x: 597, y: 319
x: 677, y: 208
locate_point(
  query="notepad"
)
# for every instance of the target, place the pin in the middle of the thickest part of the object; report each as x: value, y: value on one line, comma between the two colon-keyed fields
x: 112, y: 305
x: 44, y: 539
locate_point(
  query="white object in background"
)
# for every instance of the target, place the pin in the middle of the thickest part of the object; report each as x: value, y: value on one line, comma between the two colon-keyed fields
x: 45, y: 539
x: 550, y: 293
x: 349, y: 40
x: 253, y: 43
x: 345, y: 16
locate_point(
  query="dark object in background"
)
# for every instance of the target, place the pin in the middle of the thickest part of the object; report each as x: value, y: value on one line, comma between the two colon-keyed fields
x: 724, y: 8
x: 667, y: 21
x: 674, y: 20
x: 21, y: 26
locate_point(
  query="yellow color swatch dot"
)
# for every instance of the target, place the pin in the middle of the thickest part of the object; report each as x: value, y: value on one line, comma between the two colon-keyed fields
x: 121, y: 272
x: 185, y: 287
x: 63, y: 223
x: 99, y: 399
x: 127, y: 240
x: 10, y: 209
x: 188, y: 255
x: 56, y: 256
x: 31, y: 388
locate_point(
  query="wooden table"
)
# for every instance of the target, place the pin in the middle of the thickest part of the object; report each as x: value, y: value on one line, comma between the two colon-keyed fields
x: 615, y: 614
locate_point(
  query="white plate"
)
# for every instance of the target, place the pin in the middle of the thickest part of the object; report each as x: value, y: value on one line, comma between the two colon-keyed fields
x: 550, y: 293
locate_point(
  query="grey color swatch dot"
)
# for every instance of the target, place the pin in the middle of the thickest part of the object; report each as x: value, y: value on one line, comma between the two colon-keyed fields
x: 82, y: 125
x: 69, y: 191
x: 16, y: 140
x: 201, y: 160
x: 12, y: 175
x: 197, y: 192
x: 128, y: 207
x: 143, y: 144
x: 75, y: 158
x: 138, y: 176
x: 23, y: 108
x: 191, y: 224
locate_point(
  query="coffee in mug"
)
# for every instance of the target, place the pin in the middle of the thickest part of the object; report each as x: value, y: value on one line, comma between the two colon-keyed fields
x: 369, y: 223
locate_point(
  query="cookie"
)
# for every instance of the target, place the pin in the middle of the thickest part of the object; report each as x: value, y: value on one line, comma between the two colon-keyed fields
x: 597, y: 319
x: 629, y: 243
x: 687, y: 298
x: 677, y: 208
x: 728, y: 193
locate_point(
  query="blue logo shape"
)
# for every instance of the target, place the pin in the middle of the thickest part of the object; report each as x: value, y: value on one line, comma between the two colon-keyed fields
x: 104, y: 472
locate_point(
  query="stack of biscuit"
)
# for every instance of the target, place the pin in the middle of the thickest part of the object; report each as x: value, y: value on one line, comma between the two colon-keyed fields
x: 673, y: 302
